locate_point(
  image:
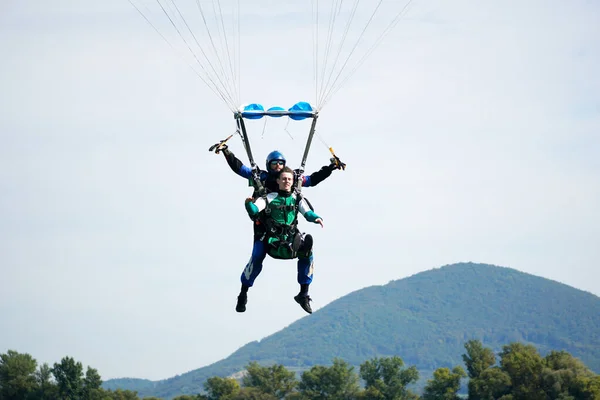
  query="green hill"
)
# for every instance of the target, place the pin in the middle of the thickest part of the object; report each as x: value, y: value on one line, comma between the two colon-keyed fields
x: 425, y: 319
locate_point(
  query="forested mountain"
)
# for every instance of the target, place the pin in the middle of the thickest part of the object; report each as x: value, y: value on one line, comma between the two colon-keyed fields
x: 425, y: 319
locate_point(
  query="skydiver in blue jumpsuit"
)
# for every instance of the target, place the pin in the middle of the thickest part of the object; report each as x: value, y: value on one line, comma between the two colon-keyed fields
x: 275, y: 163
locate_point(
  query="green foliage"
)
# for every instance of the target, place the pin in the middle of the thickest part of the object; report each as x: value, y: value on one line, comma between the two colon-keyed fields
x: 19, y: 379
x: 429, y: 319
x: 337, y: 382
x: 92, y: 385
x: 521, y: 374
x: 275, y: 380
x: 17, y: 375
x: 426, y: 319
x: 121, y: 394
x: 253, y: 393
x: 45, y: 389
x: 478, y: 358
x: 445, y: 384
x: 69, y: 377
x: 492, y: 383
x: 524, y: 374
x: 221, y: 388
x: 524, y: 365
x: 384, y: 378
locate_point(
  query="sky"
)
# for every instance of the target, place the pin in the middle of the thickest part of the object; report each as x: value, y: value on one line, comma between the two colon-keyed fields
x: 471, y: 133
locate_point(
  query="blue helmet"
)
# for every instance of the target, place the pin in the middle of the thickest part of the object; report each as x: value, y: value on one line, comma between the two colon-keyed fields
x: 273, y: 156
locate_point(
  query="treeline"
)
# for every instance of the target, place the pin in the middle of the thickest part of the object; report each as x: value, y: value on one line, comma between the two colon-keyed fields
x: 518, y: 372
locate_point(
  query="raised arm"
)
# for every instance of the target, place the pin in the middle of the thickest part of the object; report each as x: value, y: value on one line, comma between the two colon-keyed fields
x: 236, y: 165
x: 317, y: 177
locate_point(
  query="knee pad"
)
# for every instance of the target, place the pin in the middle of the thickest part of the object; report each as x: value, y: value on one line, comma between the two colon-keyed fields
x: 306, y: 245
x: 297, y: 242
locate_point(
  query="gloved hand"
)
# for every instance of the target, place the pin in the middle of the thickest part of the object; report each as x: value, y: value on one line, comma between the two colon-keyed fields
x: 218, y: 147
x: 221, y: 146
x: 336, y: 163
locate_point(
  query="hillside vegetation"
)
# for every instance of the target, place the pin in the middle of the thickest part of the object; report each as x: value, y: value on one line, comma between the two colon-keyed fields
x: 425, y: 319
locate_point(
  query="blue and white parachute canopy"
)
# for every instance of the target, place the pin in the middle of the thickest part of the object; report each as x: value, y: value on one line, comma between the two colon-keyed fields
x: 298, y: 111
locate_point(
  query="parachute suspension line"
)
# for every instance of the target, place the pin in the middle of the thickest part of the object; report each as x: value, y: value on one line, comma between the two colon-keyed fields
x: 321, y: 139
x: 231, y: 69
x: 344, y: 36
x: 332, y: 19
x: 216, y: 52
x: 228, y: 95
x: 262, y: 135
x: 228, y: 55
x: 368, y: 53
x: 351, y: 53
x: 239, y: 52
x: 201, y: 50
x: 285, y: 128
x: 214, y: 88
x: 335, y: 160
x: 316, y: 46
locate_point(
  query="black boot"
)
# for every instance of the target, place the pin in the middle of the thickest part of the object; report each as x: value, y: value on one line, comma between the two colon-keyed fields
x: 306, y: 244
x: 304, y: 299
x: 242, y: 299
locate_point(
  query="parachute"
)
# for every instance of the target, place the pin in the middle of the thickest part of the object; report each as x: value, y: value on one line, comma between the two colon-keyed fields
x: 208, y: 32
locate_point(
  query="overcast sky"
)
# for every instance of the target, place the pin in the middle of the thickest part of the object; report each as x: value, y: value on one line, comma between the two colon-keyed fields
x: 470, y: 134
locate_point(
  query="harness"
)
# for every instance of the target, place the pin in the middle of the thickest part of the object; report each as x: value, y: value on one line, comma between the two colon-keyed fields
x: 277, y: 228
x: 288, y: 237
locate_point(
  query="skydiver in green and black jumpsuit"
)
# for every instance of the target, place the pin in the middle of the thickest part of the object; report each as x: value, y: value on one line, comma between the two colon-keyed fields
x: 282, y: 240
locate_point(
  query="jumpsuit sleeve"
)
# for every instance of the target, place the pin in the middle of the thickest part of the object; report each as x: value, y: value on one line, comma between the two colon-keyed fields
x: 255, y: 207
x: 309, y: 214
x: 236, y: 165
x: 317, y: 177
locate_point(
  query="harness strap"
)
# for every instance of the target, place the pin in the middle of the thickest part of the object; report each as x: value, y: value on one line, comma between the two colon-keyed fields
x: 284, y: 208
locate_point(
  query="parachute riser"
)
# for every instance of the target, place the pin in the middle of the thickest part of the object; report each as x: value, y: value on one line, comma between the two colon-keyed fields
x: 306, y: 150
x: 255, y: 175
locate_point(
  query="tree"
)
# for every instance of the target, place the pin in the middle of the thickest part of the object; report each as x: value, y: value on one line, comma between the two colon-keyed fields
x: 478, y: 358
x: 252, y: 393
x: 385, y: 379
x: 69, y: 377
x: 121, y: 394
x: 275, y: 379
x: 524, y: 365
x: 492, y: 383
x: 566, y: 377
x: 338, y: 382
x: 485, y: 383
x: 220, y: 388
x: 92, y: 385
x: 46, y: 389
x: 17, y: 375
x: 444, y: 385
